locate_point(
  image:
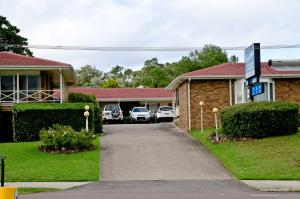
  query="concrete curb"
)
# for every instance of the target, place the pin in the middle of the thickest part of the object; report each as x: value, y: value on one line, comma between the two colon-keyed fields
x: 54, y: 185
x: 274, y: 185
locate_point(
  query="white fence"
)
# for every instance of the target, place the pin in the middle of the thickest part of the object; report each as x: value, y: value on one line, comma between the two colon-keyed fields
x: 28, y: 96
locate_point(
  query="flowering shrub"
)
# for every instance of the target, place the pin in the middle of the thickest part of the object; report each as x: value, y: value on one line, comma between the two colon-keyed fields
x: 65, y: 139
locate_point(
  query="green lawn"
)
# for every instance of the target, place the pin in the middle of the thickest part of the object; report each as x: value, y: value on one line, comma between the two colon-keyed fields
x: 274, y: 158
x: 23, y: 191
x: 24, y: 163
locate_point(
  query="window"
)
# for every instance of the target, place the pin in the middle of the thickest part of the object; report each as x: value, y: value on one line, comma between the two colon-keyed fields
x: 241, y: 91
x: 7, y: 88
x: 141, y: 109
x: 33, y: 83
x: 28, y: 85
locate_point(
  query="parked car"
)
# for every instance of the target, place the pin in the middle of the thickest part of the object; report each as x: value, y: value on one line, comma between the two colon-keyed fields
x: 164, y: 113
x: 139, y: 114
x: 112, y: 112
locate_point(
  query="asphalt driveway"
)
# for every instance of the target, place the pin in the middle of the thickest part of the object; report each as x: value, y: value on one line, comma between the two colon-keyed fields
x: 158, y: 161
x: 155, y: 152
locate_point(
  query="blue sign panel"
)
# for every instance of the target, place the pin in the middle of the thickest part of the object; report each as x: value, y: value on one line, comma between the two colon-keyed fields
x: 252, y: 61
x: 257, y: 89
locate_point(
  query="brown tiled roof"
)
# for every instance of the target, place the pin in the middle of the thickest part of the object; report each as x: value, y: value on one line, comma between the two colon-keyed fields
x: 235, y: 69
x: 13, y: 59
x: 124, y: 93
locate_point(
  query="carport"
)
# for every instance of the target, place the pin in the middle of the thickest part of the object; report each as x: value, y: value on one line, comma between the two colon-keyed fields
x: 128, y: 98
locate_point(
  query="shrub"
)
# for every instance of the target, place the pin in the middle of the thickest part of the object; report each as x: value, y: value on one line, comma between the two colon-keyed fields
x: 80, y: 97
x: 260, y: 119
x: 64, y: 138
x: 29, y: 119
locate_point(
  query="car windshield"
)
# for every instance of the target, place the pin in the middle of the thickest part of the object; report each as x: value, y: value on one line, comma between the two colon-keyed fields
x: 111, y: 108
x: 166, y: 108
x: 136, y: 110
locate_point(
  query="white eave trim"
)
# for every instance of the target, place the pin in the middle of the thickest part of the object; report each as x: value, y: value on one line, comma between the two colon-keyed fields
x: 163, y: 99
x: 175, y: 83
x: 10, y: 67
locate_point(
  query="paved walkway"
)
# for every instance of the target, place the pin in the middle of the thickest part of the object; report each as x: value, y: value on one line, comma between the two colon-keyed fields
x: 171, y: 189
x: 155, y: 152
x: 55, y: 185
x: 274, y: 185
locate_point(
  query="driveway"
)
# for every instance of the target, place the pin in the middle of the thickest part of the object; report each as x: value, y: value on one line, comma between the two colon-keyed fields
x: 155, y: 152
x: 158, y: 161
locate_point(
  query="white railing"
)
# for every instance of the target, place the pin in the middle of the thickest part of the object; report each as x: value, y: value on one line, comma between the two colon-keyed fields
x: 28, y: 96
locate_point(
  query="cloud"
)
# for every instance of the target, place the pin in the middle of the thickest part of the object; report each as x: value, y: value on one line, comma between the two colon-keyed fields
x: 150, y: 23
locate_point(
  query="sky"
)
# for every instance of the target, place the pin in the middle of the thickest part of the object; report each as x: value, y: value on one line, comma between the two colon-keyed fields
x: 153, y: 23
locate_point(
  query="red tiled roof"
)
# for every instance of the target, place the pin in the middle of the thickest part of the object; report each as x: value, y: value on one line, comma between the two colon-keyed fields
x: 13, y: 59
x: 124, y: 93
x: 235, y: 69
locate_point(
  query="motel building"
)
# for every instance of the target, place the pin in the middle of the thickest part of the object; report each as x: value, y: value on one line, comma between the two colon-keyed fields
x: 25, y: 79
x: 224, y: 85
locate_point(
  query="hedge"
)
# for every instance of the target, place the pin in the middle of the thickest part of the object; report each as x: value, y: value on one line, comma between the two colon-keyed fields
x: 260, y: 119
x: 6, y: 134
x: 87, y: 98
x: 29, y: 119
x: 80, y: 97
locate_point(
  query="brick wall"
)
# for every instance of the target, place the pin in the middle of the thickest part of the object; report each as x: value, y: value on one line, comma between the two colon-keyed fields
x: 183, y: 106
x: 214, y: 93
x: 287, y: 90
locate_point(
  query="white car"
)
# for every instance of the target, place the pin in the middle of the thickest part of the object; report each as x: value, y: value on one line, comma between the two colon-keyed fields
x: 112, y: 112
x: 165, y: 113
x: 139, y: 114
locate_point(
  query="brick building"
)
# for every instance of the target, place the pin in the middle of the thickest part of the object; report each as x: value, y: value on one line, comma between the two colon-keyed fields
x: 224, y: 85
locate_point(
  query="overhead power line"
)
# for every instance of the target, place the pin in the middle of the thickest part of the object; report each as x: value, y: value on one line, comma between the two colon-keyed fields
x: 129, y: 48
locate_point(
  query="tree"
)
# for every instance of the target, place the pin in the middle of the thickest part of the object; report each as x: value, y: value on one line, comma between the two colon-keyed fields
x: 89, y: 76
x: 233, y: 59
x: 153, y: 74
x: 9, y: 34
x: 110, y: 83
x: 211, y: 55
x: 122, y: 75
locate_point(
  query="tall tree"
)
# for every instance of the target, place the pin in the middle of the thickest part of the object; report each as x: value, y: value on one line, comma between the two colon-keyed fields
x: 234, y: 59
x: 211, y: 55
x: 89, y: 76
x: 110, y: 83
x: 122, y: 75
x: 153, y: 74
x: 9, y: 34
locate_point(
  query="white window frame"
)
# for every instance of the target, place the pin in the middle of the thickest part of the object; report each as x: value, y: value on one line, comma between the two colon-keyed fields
x: 244, y: 100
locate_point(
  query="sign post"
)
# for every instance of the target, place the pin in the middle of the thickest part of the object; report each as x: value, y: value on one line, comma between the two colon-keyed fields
x: 253, y: 70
